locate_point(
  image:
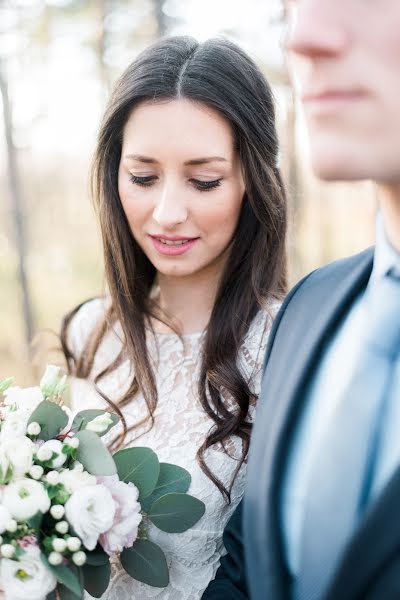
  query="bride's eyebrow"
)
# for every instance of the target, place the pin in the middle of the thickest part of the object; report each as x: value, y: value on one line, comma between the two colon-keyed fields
x: 193, y: 161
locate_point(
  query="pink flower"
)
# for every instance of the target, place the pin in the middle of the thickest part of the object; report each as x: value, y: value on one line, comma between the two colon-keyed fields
x: 123, y: 532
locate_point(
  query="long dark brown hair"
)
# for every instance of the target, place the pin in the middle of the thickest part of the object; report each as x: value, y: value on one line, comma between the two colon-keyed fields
x: 220, y: 75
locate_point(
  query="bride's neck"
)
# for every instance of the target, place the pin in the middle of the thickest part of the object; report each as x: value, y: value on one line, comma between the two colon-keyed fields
x: 188, y: 301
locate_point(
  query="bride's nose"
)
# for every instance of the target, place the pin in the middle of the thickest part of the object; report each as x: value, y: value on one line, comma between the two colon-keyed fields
x: 170, y: 207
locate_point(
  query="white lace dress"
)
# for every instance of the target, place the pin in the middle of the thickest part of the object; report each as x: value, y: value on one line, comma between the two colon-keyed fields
x: 180, y: 427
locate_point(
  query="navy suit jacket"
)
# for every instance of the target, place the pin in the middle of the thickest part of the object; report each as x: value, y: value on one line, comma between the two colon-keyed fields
x: 254, y: 566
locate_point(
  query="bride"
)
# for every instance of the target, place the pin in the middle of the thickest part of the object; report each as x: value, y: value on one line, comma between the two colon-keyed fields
x: 192, y: 213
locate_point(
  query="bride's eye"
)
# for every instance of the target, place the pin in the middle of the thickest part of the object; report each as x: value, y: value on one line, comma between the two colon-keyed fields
x: 143, y: 181
x: 205, y: 186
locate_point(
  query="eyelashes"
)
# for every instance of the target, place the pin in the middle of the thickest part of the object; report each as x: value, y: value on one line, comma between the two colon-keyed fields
x: 202, y: 186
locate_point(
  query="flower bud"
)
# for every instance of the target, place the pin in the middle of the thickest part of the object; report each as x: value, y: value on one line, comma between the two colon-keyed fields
x: 52, y: 477
x: 55, y: 558
x: 79, y: 558
x: 12, y: 526
x: 36, y: 472
x: 61, y: 386
x: 59, y: 545
x: 62, y: 527
x: 49, y: 381
x: 77, y: 466
x: 100, y: 424
x: 73, y: 544
x: 57, y: 511
x: 7, y: 550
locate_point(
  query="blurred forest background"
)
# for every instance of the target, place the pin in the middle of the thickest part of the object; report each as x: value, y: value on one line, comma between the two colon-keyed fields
x: 58, y: 62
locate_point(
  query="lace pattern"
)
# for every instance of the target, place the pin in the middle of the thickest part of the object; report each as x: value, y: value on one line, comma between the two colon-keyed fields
x: 179, y: 429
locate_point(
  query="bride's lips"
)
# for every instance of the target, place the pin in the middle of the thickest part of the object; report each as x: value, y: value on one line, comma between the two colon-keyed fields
x: 172, y: 245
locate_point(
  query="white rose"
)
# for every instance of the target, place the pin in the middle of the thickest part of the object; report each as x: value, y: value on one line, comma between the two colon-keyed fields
x: 27, y: 577
x: 24, y: 498
x: 18, y: 453
x: 90, y: 510
x: 54, y: 446
x: 75, y: 479
x: 5, y: 518
x: 23, y: 398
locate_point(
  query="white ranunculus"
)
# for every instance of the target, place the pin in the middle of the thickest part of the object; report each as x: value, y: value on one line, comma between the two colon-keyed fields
x: 5, y: 518
x: 24, y: 498
x: 90, y: 510
x: 23, y: 398
x: 14, y: 425
x: 18, y: 453
x: 27, y: 577
x: 74, y: 479
x: 127, y: 518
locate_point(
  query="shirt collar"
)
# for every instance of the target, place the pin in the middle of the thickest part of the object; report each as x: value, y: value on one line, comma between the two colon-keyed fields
x: 386, y: 259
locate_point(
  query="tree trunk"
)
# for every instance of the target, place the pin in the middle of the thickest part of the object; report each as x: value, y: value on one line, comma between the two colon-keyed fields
x: 16, y: 202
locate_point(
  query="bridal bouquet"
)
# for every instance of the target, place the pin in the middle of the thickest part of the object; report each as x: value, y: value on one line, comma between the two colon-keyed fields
x: 67, y: 504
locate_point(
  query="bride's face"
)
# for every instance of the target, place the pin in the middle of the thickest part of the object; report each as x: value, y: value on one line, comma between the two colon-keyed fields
x: 180, y: 184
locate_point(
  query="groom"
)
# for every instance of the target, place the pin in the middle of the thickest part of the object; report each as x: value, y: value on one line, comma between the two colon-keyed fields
x: 321, y: 514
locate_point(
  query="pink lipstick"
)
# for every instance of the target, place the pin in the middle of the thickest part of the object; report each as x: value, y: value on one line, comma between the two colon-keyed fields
x: 172, y: 245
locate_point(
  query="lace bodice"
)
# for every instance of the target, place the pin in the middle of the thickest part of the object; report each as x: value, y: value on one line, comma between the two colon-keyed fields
x: 179, y: 429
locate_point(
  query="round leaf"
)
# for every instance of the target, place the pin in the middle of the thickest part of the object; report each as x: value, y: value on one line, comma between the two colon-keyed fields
x: 140, y: 466
x: 97, y: 557
x: 51, y: 418
x: 83, y: 417
x: 171, y: 479
x: 93, y: 455
x: 96, y: 579
x: 146, y: 562
x: 175, y: 513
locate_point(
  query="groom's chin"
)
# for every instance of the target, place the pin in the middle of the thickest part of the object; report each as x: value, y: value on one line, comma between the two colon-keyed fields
x: 338, y: 164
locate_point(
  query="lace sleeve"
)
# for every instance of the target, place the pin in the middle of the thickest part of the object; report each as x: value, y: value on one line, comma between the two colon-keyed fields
x: 83, y: 394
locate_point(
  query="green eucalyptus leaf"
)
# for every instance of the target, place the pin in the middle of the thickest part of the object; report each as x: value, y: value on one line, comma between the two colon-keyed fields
x: 93, y: 455
x: 97, y: 557
x: 68, y: 576
x: 146, y: 562
x: 51, y: 418
x: 171, y: 479
x: 96, y: 579
x: 63, y: 593
x: 140, y: 466
x: 83, y: 417
x: 35, y: 522
x: 5, y: 384
x: 175, y: 513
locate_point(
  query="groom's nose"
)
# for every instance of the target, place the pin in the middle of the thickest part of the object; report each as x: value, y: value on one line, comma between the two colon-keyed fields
x: 317, y: 28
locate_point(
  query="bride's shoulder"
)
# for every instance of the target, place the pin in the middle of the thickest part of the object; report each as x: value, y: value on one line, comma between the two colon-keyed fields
x: 86, y: 318
x: 256, y: 339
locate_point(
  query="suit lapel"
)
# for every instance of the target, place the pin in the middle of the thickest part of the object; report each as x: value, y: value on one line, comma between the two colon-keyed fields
x: 291, y: 358
x: 374, y: 541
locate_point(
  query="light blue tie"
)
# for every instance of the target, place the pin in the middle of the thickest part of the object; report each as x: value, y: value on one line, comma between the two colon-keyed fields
x: 342, y: 473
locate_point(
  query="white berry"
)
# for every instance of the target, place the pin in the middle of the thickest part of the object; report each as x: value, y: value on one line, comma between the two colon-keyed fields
x: 12, y: 526
x: 52, y: 477
x: 36, y: 472
x: 34, y: 428
x: 79, y: 558
x: 57, y: 511
x: 7, y: 550
x: 73, y: 544
x: 72, y: 442
x: 59, y: 545
x: 55, y: 558
x: 62, y: 527
x: 44, y: 453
